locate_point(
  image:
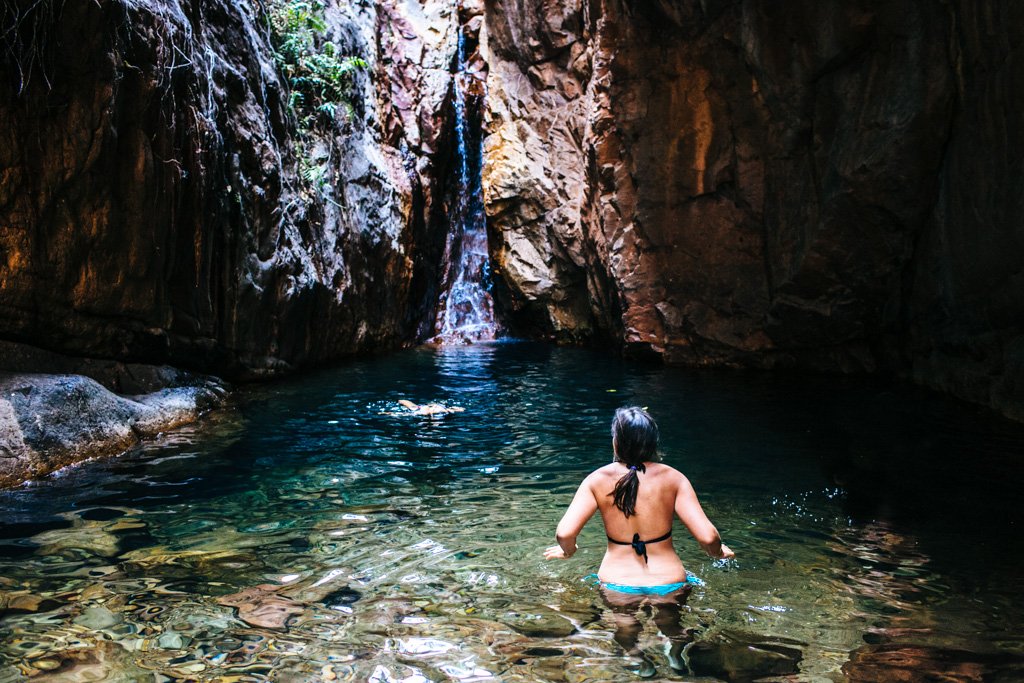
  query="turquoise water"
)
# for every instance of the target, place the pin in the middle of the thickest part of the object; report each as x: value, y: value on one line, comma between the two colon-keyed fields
x: 309, y: 534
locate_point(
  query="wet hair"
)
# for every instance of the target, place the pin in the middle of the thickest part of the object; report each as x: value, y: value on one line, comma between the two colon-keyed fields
x: 635, y: 440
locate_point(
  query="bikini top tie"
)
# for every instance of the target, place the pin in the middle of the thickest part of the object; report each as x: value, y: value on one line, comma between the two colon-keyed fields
x: 640, y: 547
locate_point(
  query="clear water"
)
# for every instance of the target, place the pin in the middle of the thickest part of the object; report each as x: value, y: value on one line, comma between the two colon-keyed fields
x: 406, y: 549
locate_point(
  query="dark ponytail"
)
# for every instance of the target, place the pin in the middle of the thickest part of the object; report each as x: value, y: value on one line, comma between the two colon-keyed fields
x: 635, y: 440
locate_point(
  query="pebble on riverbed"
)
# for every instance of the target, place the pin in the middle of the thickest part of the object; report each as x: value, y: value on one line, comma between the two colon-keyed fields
x: 98, y: 618
x: 23, y: 602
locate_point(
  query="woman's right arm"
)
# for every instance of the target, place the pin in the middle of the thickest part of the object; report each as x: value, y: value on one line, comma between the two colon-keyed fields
x: 692, y: 515
x: 582, y: 508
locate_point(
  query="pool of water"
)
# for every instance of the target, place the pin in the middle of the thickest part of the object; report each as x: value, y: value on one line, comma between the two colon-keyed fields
x: 311, y: 533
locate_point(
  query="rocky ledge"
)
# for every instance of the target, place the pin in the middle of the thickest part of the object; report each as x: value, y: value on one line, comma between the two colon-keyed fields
x: 51, y: 421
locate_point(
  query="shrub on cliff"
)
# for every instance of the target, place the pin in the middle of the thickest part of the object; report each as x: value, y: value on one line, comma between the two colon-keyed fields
x: 320, y: 78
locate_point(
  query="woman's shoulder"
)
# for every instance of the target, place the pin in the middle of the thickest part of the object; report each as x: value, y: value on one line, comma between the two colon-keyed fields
x: 662, y: 468
x: 604, y: 471
x: 667, y: 472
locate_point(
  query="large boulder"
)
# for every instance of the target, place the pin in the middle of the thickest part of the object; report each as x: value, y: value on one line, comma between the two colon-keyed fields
x: 51, y: 421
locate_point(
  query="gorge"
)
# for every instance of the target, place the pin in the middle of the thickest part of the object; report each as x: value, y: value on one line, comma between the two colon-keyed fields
x: 239, y: 238
x: 826, y: 186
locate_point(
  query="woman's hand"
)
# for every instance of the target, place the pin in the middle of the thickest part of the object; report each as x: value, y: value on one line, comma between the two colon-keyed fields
x: 555, y: 552
x: 727, y: 553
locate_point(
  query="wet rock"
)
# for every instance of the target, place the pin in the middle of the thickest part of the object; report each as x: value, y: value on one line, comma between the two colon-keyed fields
x: 262, y: 606
x: 540, y: 622
x: 25, y: 603
x: 50, y: 421
x: 341, y: 597
x: 98, y: 618
x: 118, y: 377
x: 743, y: 657
x: 907, y: 663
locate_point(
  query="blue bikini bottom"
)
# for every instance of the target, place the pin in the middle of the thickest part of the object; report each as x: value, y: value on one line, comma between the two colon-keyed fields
x: 663, y: 589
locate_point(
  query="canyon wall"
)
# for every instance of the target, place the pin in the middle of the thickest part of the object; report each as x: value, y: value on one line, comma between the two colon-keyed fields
x: 158, y: 205
x: 962, y: 305
x: 824, y: 185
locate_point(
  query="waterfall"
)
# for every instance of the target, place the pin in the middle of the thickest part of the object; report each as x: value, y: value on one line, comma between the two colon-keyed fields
x: 466, y: 307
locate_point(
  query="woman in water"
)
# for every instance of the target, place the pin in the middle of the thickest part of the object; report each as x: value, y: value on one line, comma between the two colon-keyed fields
x: 640, y: 565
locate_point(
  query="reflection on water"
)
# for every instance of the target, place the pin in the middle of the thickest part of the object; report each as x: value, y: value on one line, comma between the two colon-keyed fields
x: 312, y: 535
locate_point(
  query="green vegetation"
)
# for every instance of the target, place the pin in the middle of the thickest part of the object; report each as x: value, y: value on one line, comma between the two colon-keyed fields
x: 321, y: 80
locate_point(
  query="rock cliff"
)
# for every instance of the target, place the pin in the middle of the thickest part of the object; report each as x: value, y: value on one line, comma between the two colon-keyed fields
x: 156, y: 203
x: 824, y: 185
x: 159, y: 204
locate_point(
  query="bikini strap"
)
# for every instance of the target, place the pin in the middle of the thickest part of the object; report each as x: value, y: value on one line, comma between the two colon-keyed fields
x: 640, y: 547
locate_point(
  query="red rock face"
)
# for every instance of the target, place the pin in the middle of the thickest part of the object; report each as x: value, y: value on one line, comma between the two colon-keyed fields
x: 762, y: 185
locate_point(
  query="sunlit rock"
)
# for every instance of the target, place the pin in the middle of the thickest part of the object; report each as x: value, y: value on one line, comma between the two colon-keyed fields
x: 51, y: 421
x: 814, y: 185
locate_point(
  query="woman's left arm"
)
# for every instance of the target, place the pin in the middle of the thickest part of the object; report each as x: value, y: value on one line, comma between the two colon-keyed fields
x: 581, y: 509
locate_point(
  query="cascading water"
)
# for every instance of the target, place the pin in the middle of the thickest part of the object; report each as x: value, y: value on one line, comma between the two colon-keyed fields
x: 466, y: 307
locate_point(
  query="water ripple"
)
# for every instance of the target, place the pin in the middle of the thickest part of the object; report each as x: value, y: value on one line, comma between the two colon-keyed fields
x: 315, y: 533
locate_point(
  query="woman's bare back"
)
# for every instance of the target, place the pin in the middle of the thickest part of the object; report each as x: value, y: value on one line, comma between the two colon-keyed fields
x: 655, y: 509
x: 663, y: 491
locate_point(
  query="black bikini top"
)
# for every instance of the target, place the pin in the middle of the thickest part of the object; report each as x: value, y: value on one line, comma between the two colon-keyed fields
x: 641, y: 546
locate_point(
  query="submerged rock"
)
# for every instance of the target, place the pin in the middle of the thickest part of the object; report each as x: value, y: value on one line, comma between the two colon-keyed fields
x: 341, y: 597
x: 540, y: 622
x: 98, y: 618
x: 262, y: 606
x: 95, y: 539
x: 103, y: 660
x: 743, y: 657
x: 908, y: 663
x: 23, y: 602
x: 51, y: 421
